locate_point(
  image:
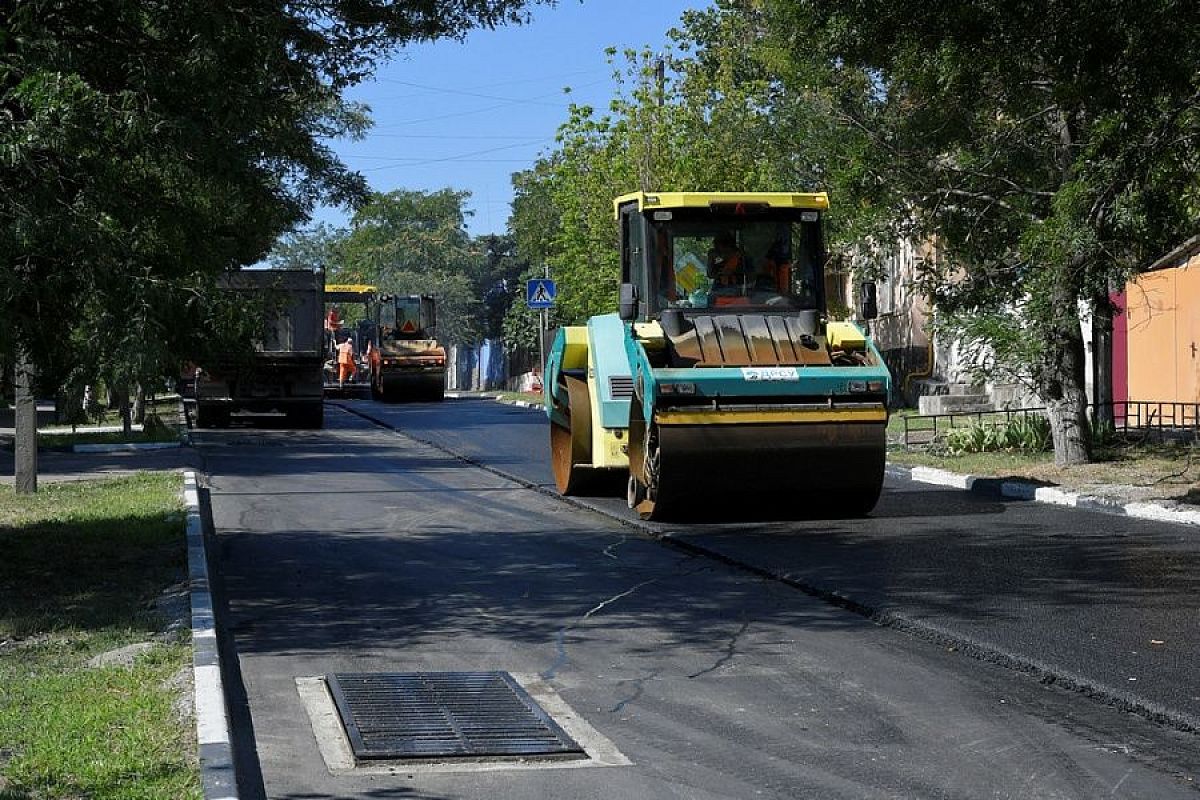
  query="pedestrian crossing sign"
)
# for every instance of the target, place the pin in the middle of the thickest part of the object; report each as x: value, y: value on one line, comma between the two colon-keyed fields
x: 540, y: 293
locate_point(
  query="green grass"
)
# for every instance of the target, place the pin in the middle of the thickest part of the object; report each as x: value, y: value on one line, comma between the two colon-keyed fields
x: 997, y: 464
x: 529, y: 397
x: 66, y: 439
x: 83, y: 562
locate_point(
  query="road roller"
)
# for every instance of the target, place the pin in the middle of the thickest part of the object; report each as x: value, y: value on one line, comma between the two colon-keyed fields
x: 407, y: 363
x: 720, y: 380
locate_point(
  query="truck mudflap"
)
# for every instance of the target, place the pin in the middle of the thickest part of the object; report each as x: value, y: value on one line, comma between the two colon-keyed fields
x: 684, y: 466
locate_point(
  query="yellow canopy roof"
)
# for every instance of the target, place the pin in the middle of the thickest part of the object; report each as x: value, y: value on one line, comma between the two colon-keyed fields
x: 812, y: 200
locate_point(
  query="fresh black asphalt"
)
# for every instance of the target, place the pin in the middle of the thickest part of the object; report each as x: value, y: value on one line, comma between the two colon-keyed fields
x: 1100, y: 602
x: 357, y: 549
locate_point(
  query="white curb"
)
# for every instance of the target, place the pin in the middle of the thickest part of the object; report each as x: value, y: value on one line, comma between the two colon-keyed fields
x: 212, y: 713
x: 1051, y: 495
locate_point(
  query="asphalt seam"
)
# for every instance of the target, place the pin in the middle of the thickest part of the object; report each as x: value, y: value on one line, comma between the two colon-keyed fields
x: 213, y: 738
x: 884, y: 617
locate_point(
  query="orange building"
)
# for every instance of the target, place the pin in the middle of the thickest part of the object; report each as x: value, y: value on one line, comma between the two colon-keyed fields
x: 1161, y: 331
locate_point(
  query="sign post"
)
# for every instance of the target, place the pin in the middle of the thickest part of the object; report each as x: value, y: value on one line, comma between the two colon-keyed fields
x: 539, y: 296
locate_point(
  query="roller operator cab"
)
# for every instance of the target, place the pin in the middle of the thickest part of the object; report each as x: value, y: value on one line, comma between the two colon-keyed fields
x: 407, y: 363
x: 721, y: 380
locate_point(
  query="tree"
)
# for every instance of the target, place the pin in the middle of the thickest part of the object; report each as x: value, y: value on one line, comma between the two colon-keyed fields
x: 1050, y: 147
x: 413, y: 242
x: 148, y: 147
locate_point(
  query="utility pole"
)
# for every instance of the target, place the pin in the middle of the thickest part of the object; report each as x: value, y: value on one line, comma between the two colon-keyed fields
x: 648, y: 179
x: 25, y: 468
x: 542, y: 323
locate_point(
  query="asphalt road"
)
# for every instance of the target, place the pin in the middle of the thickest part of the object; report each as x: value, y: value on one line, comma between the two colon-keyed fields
x: 357, y: 549
x: 1097, y: 601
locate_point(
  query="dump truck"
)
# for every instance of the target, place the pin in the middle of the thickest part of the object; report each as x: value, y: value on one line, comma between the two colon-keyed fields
x: 285, y: 374
x: 348, y: 317
x: 721, y: 379
x: 407, y: 363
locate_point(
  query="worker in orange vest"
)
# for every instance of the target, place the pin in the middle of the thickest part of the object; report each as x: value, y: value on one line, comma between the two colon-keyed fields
x: 345, y: 361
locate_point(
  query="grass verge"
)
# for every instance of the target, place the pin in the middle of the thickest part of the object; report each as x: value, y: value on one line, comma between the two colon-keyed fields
x: 66, y: 439
x: 83, y: 564
x: 529, y: 397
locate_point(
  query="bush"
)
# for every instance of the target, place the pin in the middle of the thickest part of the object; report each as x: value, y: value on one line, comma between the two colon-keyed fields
x: 1028, y: 433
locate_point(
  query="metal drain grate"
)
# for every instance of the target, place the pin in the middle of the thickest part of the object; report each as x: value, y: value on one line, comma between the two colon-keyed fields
x: 399, y: 715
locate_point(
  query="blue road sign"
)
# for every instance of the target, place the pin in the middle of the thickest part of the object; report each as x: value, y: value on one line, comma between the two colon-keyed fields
x: 540, y: 293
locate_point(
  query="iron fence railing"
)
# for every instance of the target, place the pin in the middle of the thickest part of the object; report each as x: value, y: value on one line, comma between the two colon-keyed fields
x: 1129, y: 417
x: 924, y: 428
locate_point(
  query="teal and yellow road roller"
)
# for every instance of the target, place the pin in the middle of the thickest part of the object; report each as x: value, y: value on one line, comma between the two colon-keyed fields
x: 721, y: 379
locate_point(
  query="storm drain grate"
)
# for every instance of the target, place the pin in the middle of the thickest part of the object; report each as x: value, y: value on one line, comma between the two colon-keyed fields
x: 425, y: 715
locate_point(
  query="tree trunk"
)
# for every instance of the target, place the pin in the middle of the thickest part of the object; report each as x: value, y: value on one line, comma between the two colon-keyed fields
x: 25, y: 469
x: 1102, y: 355
x: 139, y: 405
x: 1061, y: 384
x: 123, y: 407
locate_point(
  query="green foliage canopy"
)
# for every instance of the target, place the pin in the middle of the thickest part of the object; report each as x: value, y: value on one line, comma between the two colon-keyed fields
x: 147, y: 147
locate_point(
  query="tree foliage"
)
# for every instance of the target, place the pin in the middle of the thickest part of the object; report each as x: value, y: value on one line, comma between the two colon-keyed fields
x: 1051, y: 148
x: 1048, y: 150
x: 148, y: 147
x: 414, y: 242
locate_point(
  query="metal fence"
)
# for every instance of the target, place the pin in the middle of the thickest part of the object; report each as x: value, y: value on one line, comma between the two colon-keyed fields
x: 925, y: 428
x: 1130, y: 417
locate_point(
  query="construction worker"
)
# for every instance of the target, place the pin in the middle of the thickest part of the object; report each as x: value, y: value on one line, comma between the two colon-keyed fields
x: 726, y: 262
x: 345, y: 361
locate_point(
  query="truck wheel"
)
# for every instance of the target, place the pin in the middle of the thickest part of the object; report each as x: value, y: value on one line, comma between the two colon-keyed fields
x: 311, y: 416
x: 570, y: 447
x: 211, y: 416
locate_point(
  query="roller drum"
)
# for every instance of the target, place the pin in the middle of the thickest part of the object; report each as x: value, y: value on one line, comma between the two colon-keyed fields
x: 806, y: 469
x: 413, y: 385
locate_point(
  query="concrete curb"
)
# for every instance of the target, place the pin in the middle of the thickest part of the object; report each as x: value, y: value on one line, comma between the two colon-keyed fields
x: 1050, y: 495
x: 212, y: 716
x: 118, y: 447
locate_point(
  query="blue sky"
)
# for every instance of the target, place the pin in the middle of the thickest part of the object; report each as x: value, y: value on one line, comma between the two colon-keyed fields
x: 466, y: 115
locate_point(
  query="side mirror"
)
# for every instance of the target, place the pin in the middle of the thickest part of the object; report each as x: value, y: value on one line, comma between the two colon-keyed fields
x: 868, y: 303
x: 627, y: 306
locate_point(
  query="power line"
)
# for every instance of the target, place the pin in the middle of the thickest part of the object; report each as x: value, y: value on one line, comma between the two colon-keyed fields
x: 466, y: 93
x: 544, y: 77
x: 534, y: 137
x: 483, y: 110
x: 460, y: 156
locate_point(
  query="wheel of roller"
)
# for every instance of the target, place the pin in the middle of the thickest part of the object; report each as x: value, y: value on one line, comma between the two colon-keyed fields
x: 642, y: 488
x: 570, y: 447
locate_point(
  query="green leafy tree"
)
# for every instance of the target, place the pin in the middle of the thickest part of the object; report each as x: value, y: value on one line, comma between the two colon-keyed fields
x: 413, y: 242
x: 147, y: 147
x: 1052, y: 148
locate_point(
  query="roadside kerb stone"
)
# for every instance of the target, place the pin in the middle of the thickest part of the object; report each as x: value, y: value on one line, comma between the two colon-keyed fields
x: 212, y: 715
x: 119, y: 446
x: 1051, y: 495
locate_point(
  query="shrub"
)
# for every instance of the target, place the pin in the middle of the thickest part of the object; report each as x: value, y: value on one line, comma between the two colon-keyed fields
x: 1027, y: 433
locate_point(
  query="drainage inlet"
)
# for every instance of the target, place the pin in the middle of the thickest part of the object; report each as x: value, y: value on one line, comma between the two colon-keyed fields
x: 432, y: 715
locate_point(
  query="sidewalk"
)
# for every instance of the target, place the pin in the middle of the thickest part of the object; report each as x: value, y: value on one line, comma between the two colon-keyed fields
x: 54, y: 467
